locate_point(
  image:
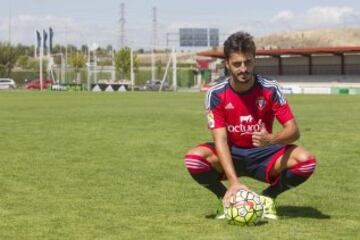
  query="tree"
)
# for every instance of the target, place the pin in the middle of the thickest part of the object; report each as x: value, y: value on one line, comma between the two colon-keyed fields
x: 122, y: 61
x: 8, y: 57
x: 109, y: 48
x: 77, y: 61
x: 24, y: 50
x: 34, y: 64
x: 159, y: 68
x: 141, y: 51
x: 71, y: 48
x: 23, y: 61
x: 84, y: 48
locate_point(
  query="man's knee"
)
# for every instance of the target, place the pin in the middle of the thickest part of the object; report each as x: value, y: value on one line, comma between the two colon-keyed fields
x: 305, y: 163
x: 305, y: 155
x: 196, y: 161
x: 200, y: 156
x: 197, y: 151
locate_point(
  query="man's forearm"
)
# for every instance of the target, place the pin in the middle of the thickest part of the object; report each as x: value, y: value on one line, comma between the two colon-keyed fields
x: 226, y: 162
x: 289, y: 134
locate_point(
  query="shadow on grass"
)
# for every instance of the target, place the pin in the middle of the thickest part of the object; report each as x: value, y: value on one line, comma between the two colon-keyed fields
x: 300, y: 211
x: 212, y: 216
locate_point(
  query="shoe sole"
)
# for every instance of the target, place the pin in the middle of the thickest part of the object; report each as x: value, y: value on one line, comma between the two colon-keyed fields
x: 221, y: 217
x: 270, y: 216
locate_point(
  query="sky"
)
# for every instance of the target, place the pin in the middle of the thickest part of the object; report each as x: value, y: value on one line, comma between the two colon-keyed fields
x: 96, y: 22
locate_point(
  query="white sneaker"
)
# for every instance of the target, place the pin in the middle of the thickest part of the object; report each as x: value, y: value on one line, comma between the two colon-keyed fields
x: 220, y: 211
x: 269, y: 208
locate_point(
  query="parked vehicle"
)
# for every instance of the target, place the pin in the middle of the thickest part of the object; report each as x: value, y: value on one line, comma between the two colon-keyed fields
x: 154, y: 85
x: 59, y: 87
x: 7, y: 83
x: 35, y: 84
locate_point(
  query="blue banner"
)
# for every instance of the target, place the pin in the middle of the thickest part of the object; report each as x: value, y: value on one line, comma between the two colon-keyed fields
x: 51, y: 35
x: 44, y: 40
x: 38, y: 38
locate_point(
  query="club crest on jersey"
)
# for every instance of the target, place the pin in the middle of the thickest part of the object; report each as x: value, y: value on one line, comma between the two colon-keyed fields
x: 260, y: 103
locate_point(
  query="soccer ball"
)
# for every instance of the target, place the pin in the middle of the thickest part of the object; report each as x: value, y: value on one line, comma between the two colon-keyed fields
x: 245, y: 209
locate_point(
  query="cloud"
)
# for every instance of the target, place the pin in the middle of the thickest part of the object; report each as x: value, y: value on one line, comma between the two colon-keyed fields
x: 283, y: 16
x: 66, y: 29
x: 330, y: 15
x: 315, y: 17
x: 23, y: 26
x: 88, y: 30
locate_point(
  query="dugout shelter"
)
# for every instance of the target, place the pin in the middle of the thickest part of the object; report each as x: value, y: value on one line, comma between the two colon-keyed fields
x: 343, y: 62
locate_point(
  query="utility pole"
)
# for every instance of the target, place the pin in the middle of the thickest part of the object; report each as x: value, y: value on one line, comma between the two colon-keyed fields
x: 154, y: 27
x: 122, y: 22
x: 66, y: 48
x: 132, y: 78
x: 41, y: 62
x: 174, y: 65
x: 10, y: 22
x: 154, y: 42
x: 88, y: 68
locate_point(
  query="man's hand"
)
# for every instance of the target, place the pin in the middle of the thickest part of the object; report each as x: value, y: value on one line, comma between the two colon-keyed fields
x: 231, y: 192
x: 262, y: 138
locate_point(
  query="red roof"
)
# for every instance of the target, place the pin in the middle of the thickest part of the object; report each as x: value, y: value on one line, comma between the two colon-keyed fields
x: 288, y: 51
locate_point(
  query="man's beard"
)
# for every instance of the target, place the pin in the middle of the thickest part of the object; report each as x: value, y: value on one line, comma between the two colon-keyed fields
x: 242, y: 77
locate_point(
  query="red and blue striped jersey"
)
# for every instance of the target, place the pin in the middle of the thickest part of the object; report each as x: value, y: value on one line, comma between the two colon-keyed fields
x: 244, y: 113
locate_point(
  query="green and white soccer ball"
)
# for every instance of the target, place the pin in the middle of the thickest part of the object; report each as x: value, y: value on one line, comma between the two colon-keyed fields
x: 245, y: 208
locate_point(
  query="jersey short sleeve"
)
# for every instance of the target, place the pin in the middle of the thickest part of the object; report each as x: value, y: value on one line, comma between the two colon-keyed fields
x: 280, y: 107
x: 214, y: 110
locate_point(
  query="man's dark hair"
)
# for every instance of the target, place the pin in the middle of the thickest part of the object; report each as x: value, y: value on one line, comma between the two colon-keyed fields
x: 239, y: 42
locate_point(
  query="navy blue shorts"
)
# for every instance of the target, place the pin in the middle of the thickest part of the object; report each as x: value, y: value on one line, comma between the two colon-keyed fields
x: 254, y: 162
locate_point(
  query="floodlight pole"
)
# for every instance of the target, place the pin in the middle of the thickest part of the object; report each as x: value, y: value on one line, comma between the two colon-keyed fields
x: 62, y: 79
x: 66, y: 48
x: 95, y: 66
x: 35, y: 46
x: 89, y: 68
x: 132, y: 69
x: 113, y: 73
x: 10, y: 13
x: 41, y: 66
x: 66, y: 61
x: 152, y: 64
x: 174, y: 65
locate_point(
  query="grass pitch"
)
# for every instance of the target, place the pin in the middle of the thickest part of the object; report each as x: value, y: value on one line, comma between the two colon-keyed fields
x: 110, y: 166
